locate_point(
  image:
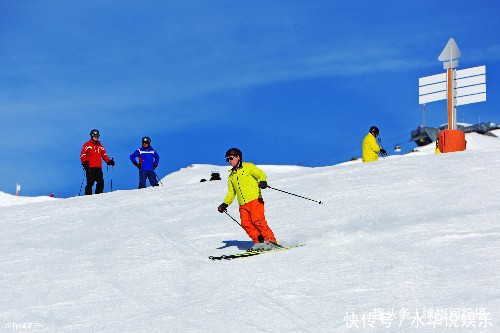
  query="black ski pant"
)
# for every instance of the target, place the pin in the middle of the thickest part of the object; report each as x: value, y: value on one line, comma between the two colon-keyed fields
x: 146, y: 174
x: 94, y: 175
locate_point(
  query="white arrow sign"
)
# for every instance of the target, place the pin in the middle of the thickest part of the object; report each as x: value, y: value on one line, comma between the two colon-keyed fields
x: 450, y: 53
x: 457, y: 87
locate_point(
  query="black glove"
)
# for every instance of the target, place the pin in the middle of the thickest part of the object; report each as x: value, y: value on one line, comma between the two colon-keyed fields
x: 137, y: 165
x: 263, y: 184
x: 155, y: 165
x: 383, y: 152
x: 85, y: 166
x: 111, y: 162
x: 222, y: 208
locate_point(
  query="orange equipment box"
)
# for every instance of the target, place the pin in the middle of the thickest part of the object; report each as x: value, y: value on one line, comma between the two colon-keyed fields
x: 451, y: 140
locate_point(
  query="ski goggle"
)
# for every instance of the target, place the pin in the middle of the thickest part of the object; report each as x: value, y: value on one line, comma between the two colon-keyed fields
x: 230, y: 158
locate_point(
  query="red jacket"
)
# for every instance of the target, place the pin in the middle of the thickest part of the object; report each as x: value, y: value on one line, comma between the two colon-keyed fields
x: 92, y: 152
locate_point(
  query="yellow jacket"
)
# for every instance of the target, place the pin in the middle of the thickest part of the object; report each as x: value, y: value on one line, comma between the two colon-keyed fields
x: 370, y: 148
x: 243, y: 183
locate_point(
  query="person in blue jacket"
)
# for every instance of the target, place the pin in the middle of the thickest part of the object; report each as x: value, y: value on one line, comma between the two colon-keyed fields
x: 148, y: 161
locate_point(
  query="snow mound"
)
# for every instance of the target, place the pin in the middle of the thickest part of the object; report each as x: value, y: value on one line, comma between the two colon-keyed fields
x: 196, y: 172
x: 12, y: 200
x: 496, y: 133
x: 475, y: 141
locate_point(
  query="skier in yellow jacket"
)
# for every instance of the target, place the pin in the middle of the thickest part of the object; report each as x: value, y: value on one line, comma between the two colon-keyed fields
x: 437, y: 151
x: 245, y: 182
x: 370, y: 147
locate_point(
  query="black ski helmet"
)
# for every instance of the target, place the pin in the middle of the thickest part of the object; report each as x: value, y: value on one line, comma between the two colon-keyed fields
x: 146, y: 139
x: 94, y: 132
x: 234, y: 152
x: 374, y: 130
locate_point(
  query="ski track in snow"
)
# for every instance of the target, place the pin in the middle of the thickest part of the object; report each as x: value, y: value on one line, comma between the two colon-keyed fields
x: 400, y: 233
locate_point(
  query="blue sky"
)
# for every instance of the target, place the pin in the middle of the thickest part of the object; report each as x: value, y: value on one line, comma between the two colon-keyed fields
x: 289, y: 82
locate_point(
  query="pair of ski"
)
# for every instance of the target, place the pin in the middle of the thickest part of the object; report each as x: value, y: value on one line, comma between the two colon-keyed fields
x: 251, y: 253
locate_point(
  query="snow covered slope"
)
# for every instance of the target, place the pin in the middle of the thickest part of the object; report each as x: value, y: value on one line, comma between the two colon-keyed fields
x: 12, y: 200
x: 401, y: 235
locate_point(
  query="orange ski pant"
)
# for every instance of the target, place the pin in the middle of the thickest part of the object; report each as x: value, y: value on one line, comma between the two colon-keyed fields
x: 254, y: 222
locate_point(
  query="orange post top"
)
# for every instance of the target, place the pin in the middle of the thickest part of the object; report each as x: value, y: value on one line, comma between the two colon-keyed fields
x: 450, y: 98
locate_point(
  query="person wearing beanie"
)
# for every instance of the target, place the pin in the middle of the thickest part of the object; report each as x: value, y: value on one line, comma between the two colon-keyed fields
x: 245, y: 182
x: 370, y: 148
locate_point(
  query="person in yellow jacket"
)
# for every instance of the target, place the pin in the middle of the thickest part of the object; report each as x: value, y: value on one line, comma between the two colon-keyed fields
x: 370, y: 148
x: 245, y: 182
x: 437, y: 151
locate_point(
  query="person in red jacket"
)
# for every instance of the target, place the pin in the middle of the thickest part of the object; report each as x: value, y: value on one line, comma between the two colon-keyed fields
x: 92, y: 153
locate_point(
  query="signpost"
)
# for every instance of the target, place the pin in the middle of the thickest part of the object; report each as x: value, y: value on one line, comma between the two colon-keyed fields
x: 460, y: 87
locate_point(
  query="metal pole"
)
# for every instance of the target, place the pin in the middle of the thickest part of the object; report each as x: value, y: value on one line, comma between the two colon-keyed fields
x: 158, y: 178
x: 107, y: 171
x: 84, y: 175
x: 112, y: 169
x: 233, y: 218
x: 380, y: 141
x: 424, y: 117
x: 294, y: 194
x: 260, y: 238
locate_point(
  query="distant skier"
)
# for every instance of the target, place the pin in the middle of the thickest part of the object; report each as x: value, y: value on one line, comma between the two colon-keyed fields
x: 148, y: 161
x: 370, y: 148
x: 245, y: 182
x: 91, y: 155
x: 437, y: 151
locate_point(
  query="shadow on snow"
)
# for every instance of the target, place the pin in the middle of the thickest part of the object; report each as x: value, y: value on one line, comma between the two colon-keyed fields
x: 241, y: 245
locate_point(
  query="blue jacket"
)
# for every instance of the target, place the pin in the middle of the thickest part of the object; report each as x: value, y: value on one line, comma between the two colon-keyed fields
x: 147, y: 158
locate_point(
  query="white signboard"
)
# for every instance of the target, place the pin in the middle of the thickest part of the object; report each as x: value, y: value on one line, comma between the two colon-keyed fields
x: 469, y: 86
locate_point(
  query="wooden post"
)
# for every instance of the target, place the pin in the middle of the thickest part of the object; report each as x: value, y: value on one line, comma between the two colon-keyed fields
x: 451, y: 125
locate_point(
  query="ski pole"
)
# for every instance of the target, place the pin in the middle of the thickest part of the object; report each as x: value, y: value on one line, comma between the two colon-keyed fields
x: 158, y: 179
x: 112, y: 169
x: 84, y: 174
x: 294, y: 194
x: 261, y: 238
x: 380, y: 141
x: 111, y: 178
x: 232, y: 218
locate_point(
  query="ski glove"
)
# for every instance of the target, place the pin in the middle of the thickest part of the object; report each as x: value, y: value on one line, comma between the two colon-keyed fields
x: 383, y: 152
x: 155, y: 165
x: 111, y: 162
x: 263, y: 184
x: 222, y: 208
x: 85, y: 166
x: 137, y: 166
